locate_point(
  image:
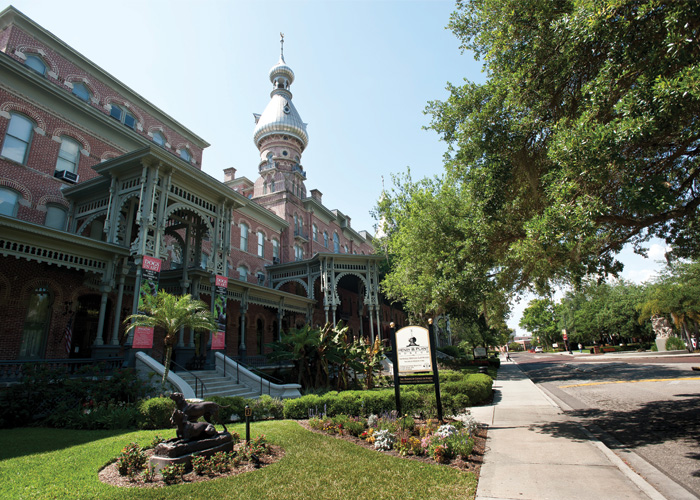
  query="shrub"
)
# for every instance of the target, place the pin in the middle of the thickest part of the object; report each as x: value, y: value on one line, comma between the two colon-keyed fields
x: 267, y: 407
x: 131, y: 460
x: 384, y: 440
x: 231, y: 405
x: 173, y: 473
x: 200, y: 465
x: 156, y: 412
x: 674, y: 344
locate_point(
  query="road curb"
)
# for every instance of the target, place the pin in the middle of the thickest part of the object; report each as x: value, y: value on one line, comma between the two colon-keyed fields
x: 628, y: 462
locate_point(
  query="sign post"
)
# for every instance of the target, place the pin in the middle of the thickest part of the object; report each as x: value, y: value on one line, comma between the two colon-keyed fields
x: 414, y: 356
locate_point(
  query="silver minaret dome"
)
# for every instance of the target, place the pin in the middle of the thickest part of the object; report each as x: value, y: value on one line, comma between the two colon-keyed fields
x: 280, y: 115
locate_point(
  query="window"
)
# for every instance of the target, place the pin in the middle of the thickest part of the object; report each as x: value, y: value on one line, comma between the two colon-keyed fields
x: 242, y: 273
x: 261, y: 244
x: 9, y: 200
x: 345, y: 249
x: 55, y: 217
x: 159, y: 138
x: 260, y: 332
x: 97, y: 230
x: 68, y: 155
x: 18, y: 138
x: 298, y: 252
x: 185, y: 155
x: 36, y: 63
x: 122, y: 115
x: 272, y: 186
x: 36, y: 324
x: 275, y: 251
x: 296, y: 224
x: 81, y: 91
x: 203, y: 261
x: 325, y: 239
x: 314, y: 230
x: 336, y: 243
x: 244, y: 237
x: 265, y: 187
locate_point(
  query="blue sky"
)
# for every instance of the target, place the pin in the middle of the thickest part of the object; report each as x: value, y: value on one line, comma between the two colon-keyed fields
x: 364, y: 72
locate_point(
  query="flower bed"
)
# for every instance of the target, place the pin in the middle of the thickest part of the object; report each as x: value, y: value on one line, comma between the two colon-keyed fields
x: 456, y: 442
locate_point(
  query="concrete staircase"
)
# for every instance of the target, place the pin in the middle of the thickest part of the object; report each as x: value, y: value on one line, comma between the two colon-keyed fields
x: 215, y: 384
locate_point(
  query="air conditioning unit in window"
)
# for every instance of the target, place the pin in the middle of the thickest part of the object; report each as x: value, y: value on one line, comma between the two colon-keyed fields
x: 275, y: 260
x: 261, y: 279
x: 67, y: 176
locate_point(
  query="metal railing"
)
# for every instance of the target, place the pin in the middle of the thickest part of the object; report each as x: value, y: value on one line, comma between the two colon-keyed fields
x: 13, y: 371
x: 264, y: 377
x: 197, y: 381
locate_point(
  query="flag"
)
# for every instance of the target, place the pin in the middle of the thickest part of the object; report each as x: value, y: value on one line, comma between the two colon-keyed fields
x: 68, y: 333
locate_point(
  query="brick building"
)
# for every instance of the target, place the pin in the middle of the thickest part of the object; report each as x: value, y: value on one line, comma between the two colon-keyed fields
x: 94, y: 179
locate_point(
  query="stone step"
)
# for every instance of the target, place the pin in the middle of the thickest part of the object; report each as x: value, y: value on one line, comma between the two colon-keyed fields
x: 217, y: 385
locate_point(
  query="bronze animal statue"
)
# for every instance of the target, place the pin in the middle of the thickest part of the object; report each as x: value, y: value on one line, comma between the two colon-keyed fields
x: 191, y: 431
x: 193, y: 411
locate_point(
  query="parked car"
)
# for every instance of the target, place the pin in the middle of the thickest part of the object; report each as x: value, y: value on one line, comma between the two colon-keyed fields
x: 538, y: 349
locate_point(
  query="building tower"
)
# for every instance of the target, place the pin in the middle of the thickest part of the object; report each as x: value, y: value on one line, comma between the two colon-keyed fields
x: 280, y: 136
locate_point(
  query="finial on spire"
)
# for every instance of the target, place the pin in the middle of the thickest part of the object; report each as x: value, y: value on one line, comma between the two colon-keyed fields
x: 282, y: 45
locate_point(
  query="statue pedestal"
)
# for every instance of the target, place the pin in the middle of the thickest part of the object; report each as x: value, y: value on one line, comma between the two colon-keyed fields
x: 661, y: 343
x: 181, y: 451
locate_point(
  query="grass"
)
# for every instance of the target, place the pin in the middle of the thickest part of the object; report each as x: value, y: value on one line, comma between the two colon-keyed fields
x: 38, y: 463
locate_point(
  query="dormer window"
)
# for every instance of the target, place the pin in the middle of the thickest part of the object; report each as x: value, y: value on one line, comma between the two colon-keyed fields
x: 36, y: 63
x: 122, y: 115
x: 81, y: 91
x: 185, y: 155
x: 159, y: 139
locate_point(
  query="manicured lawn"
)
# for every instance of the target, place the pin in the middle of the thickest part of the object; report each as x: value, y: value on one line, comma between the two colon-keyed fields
x: 57, y: 464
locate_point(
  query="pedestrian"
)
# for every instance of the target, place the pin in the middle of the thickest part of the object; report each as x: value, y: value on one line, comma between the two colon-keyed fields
x: 507, y: 353
x: 580, y: 347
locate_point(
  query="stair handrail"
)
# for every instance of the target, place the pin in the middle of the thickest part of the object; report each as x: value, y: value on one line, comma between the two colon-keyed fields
x: 243, y: 371
x: 196, y: 378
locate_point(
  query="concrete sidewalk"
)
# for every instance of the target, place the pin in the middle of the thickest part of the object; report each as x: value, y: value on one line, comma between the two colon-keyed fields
x: 535, y: 452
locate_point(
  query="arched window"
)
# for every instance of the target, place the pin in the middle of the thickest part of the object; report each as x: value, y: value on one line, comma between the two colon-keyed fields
x: 261, y: 244
x: 36, y: 324
x: 345, y: 249
x: 68, y: 155
x: 185, y: 155
x: 336, y: 243
x: 159, y: 138
x: 242, y: 273
x: 244, y: 237
x: 298, y: 252
x: 296, y: 224
x: 56, y: 217
x: 18, y: 138
x: 81, y: 91
x: 325, y: 239
x: 314, y: 231
x: 272, y: 186
x: 264, y: 187
x: 122, y: 115
x: 36, y: 63
x: 9, y: 200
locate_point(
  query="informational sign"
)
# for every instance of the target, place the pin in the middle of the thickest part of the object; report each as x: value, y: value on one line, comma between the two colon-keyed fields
x: 413, y: 350
x: 150, y: 275
x: 218, y: 340
x: 479, y: 352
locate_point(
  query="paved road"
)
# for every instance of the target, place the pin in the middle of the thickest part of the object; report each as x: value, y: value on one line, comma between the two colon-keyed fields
x: 649, y: 405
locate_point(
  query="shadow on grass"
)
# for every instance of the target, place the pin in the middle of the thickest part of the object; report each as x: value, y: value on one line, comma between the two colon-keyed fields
x: 32, y: 440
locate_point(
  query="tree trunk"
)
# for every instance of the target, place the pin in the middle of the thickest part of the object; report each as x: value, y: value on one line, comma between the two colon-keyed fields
x: 168, y: 356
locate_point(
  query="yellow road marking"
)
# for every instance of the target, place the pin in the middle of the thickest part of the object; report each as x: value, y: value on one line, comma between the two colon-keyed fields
x: 629, y: 381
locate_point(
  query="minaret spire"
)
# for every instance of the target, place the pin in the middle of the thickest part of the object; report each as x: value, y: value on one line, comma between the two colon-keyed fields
x: 282, y: 46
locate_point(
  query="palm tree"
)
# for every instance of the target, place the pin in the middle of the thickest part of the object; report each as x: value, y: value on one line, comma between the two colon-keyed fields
x: 172, y: 312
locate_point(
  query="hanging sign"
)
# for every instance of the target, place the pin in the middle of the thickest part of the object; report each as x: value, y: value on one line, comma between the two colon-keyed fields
x: 150, y: 275
x: 413, y: 350
x: 218, y: 340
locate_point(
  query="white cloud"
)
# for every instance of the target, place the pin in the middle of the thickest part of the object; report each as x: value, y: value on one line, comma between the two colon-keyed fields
x: 658, y: 252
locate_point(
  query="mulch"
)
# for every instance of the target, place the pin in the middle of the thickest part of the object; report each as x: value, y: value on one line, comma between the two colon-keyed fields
x: 110, y: 473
